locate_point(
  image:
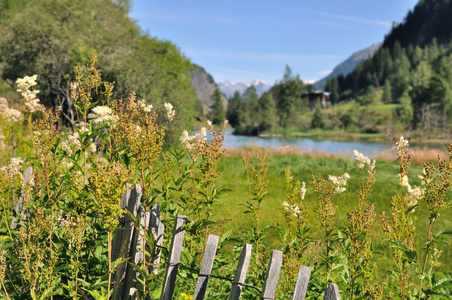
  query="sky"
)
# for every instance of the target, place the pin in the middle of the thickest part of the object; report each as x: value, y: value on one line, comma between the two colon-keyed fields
x: 245, y: 40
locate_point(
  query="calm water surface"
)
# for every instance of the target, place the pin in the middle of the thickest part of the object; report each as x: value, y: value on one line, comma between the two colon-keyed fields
x: 310, y: 145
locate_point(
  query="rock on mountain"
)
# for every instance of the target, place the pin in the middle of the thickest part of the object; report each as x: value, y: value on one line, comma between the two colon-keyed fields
x: 349, y: 64
x: 204, y: 86
x: 228, y: 89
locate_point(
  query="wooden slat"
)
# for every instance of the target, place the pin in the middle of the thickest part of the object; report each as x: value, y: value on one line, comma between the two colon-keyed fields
x: 271, y: 280
x: 173, y: 258
x: 157, y: 228
x: 20, y: 209
x: 332, y: 292
x: 240, y: 273
x: 301, y: 285
x: 136, y: 256
x: 122, y: 240
x: 206, y: 267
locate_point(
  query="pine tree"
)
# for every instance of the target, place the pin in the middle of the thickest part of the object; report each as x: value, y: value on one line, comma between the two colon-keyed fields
x: 217, y: 110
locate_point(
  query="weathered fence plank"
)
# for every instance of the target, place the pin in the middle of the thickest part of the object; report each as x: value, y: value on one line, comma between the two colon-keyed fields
x: 20, y: 209
x: 206, y: 267
x: 122, y: 240
x: 332, y: 292
x: 271, y: 280
x: 173, y: 259
x: 137, y: 255
x: 157, y: 229
x: 301, y: 285
x: 240, y: 273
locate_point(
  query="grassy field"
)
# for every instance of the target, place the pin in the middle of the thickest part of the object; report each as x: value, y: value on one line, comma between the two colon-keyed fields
x: 234, y: 177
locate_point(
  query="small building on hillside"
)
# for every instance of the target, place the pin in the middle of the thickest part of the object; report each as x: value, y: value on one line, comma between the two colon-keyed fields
x: 323, y: 97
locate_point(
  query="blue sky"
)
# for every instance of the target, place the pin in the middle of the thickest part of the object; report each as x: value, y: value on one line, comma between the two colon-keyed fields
x: 245, y: 40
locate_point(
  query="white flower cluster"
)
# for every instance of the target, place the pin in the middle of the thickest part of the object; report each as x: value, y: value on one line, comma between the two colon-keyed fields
x: 190, y: 141
x: 169, y: 111
x: 9, y: 114
x: 102, y: 114
x: 294, y: 209
x: 29, y: 95
x: 13, y: 169
x: 144, y: 106
x: 363, y: 160
x: 73, y: 141
x: 303, y: 190
x: 402, y: 143
x: 414, y: 194
x: 422, y: 177
x: 339, y: 182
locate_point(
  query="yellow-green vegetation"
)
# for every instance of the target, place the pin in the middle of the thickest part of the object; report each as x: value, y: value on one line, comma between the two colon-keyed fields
x: 375, y: 228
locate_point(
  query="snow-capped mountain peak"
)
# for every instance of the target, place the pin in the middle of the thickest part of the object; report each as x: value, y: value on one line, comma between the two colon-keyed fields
x: 228, y: 88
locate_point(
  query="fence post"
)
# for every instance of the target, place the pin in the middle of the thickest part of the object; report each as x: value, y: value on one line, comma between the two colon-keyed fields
x: 173, y: 258
x: 271, y: 280
x: 206, y: 267
x: 302, y: 283
x: 122, y: 240
x: 20, y: 210
x: 157, y: 229
x: 240, y: 273
x: 332, y: 292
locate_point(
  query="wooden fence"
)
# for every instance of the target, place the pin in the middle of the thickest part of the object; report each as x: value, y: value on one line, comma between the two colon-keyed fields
x: 128, y: 239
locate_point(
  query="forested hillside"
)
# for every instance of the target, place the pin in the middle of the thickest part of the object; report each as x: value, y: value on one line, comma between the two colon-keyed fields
x: 413, y: 70
x: 50, y: 37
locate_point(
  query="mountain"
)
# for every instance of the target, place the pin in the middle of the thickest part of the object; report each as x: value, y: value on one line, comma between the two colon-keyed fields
x: 228, y: 89
x: 204, y: 86
x: 349, y: 64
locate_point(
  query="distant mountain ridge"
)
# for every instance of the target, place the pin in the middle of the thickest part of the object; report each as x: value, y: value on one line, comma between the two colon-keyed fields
x: 349, y: 64
x: 228, y: 88
x: 204, y: 85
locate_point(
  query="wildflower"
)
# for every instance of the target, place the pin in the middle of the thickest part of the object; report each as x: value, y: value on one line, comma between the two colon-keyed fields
x: 402, y: 143
x: 339, y: 182
x: 186, y: 296
x: 294, y: 209
x: 29, y: 95
x: 12, y: 115
x: 404, y: 181
x: 169, y: 111
x: 65, y: 146
x: 303, y: 190
x: 102, y: 114
x: 209, y: 123
x: 203, y: 131
x: 144, y: 106
x: 361, y: 159
x: 13, y: 169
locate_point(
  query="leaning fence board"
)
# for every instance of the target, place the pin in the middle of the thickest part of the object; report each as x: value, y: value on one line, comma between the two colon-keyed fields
x: 271, y: 280
x: 136, y: 255
x: 206, y: 267
x: 240, y: 273
x: 173, y: 258
x: 157, y: 229
x: 122, y: 241
x: 332, y: 292
x: 20, y: 209
x: 301, y: 285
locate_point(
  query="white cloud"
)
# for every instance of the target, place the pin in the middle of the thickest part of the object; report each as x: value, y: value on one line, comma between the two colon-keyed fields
x: 325, y: 73
x: 354, y: 19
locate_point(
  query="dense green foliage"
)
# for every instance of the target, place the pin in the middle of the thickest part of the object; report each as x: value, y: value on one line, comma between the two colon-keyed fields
x: 49, y: 37
x: 413, y: 68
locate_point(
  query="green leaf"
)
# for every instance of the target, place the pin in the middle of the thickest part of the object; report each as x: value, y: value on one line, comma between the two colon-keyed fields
x: 410, y: 254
